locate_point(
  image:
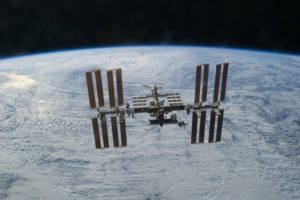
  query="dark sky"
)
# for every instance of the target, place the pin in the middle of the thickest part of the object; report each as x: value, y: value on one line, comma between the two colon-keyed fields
x: 33, y: 26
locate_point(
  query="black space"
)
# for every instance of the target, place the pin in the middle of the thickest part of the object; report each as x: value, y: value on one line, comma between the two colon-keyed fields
x: 31, y: 26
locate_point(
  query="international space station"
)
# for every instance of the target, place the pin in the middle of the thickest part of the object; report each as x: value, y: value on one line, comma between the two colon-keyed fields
x: 157, y: 105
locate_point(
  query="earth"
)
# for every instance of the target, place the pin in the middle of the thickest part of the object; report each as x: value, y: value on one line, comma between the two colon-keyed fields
x: 47, y: 147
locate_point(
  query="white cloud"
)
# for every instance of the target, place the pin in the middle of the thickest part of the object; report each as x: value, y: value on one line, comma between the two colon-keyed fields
x: 16, y: 81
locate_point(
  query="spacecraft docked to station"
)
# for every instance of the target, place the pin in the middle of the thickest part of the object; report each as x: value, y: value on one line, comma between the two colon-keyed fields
x: 158, y: 105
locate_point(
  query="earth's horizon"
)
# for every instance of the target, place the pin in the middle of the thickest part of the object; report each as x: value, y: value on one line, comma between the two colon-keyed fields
x: 46, y: 141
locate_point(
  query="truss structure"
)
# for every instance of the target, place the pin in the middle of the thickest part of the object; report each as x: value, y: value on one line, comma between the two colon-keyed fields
x: 157, y: 105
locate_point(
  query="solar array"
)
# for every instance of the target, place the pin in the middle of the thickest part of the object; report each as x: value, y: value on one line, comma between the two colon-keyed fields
x: 174, y: 99
x: 139, y: 101
x: 112, y: 104
x: 202, y: 113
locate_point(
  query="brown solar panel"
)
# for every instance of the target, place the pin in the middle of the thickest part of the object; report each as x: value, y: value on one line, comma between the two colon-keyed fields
x: 212, y: 126
x: 96, y: 132
x: 111, y: 89
x: 115, y: 131
x: 202, y: 126
x: 120, y: 87
x: 104, y: 132
x: 99, y: 88
x: 205, y: 83
x: 89, y: 81
x: 219, y: 126
x: 123, y: 131
x: 224, y: 81
x: 217, y: 83
x: 197, y: 84
x: 194, y: 128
